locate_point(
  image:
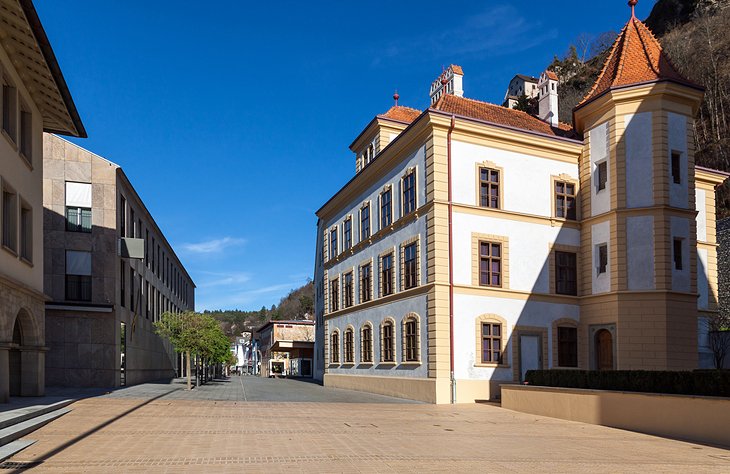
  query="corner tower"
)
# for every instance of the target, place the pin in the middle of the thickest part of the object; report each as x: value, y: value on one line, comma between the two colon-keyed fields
x: 639, y: 246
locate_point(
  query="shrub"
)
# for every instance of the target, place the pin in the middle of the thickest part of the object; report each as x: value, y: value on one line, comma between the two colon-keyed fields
x: 714, y: 383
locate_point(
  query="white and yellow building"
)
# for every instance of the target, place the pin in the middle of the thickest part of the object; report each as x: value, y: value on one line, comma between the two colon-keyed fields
x: 476, y: 242
x: 34, y: 99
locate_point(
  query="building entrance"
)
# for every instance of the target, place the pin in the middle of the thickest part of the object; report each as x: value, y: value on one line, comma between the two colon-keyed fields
x: 604, y: 350
x: 15, y: 361
x: 529, y: 354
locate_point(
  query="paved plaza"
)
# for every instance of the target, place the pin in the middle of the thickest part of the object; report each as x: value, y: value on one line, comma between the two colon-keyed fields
x: 247, y: 424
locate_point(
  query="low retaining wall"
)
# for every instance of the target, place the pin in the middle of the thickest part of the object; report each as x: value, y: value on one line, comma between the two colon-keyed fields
x: 403, y: 387
x: 699, y: 419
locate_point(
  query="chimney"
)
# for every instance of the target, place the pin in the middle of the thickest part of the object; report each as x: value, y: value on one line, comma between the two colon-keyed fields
x: 449, y: 82
x: 548, y: 86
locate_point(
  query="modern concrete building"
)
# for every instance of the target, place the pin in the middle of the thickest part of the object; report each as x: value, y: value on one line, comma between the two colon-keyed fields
x: 34, y: 98
x: 286, y: 348
x: 99, y: 322
x: 479, y: 242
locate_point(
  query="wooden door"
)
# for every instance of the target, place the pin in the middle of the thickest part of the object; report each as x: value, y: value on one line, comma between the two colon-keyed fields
x: 604, y: 350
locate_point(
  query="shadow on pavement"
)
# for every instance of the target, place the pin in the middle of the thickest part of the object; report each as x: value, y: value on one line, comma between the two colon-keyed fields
x: 85, y: 435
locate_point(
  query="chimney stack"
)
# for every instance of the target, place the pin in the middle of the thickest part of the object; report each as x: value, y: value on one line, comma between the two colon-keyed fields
x: 548, y: 86
x: 449, y: 82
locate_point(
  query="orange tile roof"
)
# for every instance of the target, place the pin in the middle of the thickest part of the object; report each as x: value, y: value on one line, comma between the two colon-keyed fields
x: 636, y: 58
x: 402, y: 114
x: 498, y: 115
x: 457, y: 69
x: 551, y: 75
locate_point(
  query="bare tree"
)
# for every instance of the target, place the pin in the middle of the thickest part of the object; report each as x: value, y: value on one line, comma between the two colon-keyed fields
x: 583, y: 46
x: 718, y: 331
x: 602, y: 42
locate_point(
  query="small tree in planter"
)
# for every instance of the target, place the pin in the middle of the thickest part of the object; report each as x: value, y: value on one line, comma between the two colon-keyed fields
x: 718, y: 329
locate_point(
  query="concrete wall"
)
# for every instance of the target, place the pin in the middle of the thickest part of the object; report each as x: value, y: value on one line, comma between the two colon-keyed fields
x: 84, y: 336
x: 698, y: 419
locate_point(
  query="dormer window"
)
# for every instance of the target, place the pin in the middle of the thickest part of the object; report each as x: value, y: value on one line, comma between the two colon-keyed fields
x: 368, y: 155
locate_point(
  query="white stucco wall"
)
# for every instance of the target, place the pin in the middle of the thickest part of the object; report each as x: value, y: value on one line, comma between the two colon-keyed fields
x: 529, y: 245
x: 371, y: 195
x: 376, y: 315
x: 467, y: 308
x: 702, y: 282
x: 525, y: 181
x: 700, y: 196
x: 678, y: 193
x: 390, y: 241
x: 599, y: 150
x: 601, y: 234
x: 639, y: 167
x: 679, y: 228
x: 640, y: 252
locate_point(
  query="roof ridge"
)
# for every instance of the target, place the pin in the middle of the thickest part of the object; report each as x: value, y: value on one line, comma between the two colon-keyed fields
x: 646, y: 50
x: 405, y: 107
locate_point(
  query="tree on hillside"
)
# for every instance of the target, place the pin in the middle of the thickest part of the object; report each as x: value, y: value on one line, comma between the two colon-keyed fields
x: 525, y: 104
x: 700, y: 50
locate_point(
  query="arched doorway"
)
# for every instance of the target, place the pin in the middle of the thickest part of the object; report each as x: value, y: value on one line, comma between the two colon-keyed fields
x: 15, y: 361
x: 604, y: 349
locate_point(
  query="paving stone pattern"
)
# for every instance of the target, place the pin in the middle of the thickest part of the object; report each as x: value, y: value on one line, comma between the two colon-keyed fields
x: 161, y: 428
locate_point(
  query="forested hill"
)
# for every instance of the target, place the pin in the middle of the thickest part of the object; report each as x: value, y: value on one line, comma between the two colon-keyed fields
x: 298, y: 304
x: 695, y: 36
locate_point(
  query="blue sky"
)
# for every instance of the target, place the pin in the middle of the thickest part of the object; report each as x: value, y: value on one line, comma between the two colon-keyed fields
x: 232, y: 118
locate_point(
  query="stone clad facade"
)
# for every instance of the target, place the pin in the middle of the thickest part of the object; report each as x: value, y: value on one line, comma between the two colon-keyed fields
x: 35, y: 98
x: 100, y: 318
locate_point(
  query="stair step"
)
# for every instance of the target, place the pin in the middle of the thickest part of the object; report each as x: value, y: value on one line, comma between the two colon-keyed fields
x: 21, y: 429
x: 14, y: 447
x: 19, y: 415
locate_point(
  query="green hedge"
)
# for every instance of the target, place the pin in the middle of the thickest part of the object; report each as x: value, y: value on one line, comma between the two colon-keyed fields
x: 715, y: 383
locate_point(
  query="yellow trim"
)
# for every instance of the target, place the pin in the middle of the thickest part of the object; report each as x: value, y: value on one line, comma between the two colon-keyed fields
x: 489, y: 166
x: 515, y: 216
x: 564, y: 322
x: 419, y: 290
x: 476, y: 238
x: 490, y: 318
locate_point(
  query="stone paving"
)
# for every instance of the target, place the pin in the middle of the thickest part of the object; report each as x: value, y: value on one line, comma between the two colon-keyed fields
x: 160, y: 428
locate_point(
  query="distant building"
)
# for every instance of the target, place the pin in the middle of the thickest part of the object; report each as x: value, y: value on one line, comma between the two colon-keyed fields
x: 287, y: 348
x: 520, y: 85
x: 34, y: 98
x: 247, y: 354
x: 103, y: 303
x: 480, y: 242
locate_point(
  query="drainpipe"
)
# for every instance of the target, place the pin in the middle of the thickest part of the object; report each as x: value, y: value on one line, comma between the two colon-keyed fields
x: 451, y: 260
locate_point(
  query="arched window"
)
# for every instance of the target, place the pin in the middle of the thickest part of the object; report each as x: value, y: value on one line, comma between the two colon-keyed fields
x: 366, y: 343
x: 387, y: 341
x: 411, y: 346
x: 349, y: 346
x: 335, y: 348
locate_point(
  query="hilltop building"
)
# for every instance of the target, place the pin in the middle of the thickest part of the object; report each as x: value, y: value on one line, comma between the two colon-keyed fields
x: 520, y: 85
x: 477, y: 242
x: 34, y: 99
x: 110, y: 273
